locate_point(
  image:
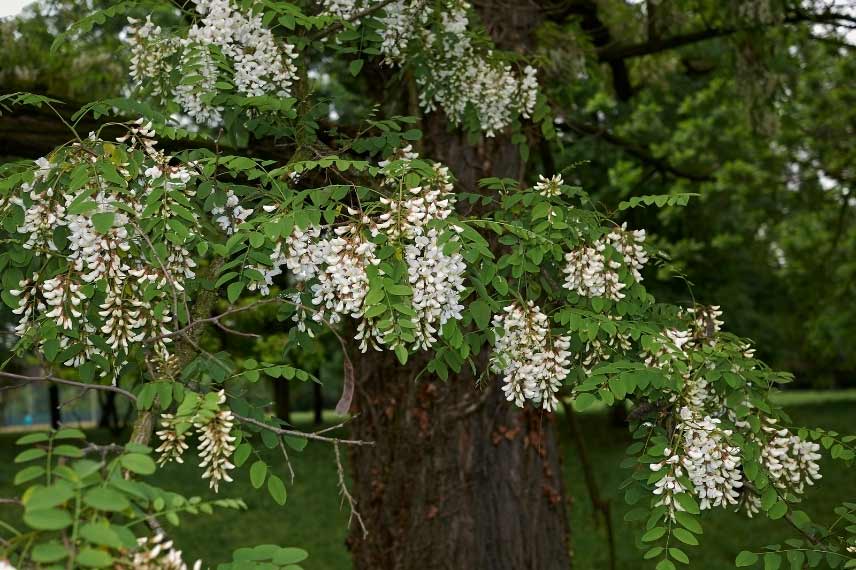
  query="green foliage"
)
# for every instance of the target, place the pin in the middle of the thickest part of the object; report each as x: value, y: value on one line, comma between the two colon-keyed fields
x: 84, y: 511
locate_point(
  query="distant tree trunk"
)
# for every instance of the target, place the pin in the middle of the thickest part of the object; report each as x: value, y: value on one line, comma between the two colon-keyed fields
x: 282, y: 399
x: 317, y: 403
x: 458, y: 478
x: 53, y: 403
x: 109, y: 413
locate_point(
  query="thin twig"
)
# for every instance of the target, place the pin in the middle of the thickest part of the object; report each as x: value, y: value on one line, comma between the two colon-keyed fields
x: 303, y: 434
x: 287, y: 460
x: 346, y: 495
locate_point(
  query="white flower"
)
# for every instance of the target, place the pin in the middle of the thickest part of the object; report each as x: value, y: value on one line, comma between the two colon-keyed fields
x: 549, y: 187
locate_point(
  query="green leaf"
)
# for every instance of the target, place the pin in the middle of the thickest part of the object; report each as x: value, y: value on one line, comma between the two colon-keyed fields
x: 31, y: 438
x: 138, y: 463
x: 584, y: 401
x: 101, y: 534
x: 778, y: 510
x: 685, y: 536
x: 233, y: 292
x: 679, y: 555
x: 48, y: 497
x: 47, y: 519
x: 29, y: 473
x: 296, y: 443
x: 772, y: 561
x: 29, y: 455
x: 355, y: 66
x: 481, y: 313
x: 91, y: 558
x: 69, y: 433
x: 104, y: 499
x: 103, y: 221
x: 68, y: 451
x: 665, y: 565
x: 257, y: 473
x: 401, y: 353
x: 242, y: 454
x: 49, y: 552
x: 688, y: 521
x: 745, y: 558
x: 653, y: 534
x: 276, y: 488
x: 289, y: 556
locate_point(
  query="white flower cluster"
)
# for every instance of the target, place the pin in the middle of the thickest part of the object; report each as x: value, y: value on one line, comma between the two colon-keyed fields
x: 115, y: 259
x: 591, y: 272
x: 262, y: 67
x: 231, y: 214
x: 790, y: 461
x: 533, y: 364
x: 216, y: 442
x: 157, y: 553
x: 454, y: 74
x: 332, y: 264
x: 710, y: 463
x: 260, y: 64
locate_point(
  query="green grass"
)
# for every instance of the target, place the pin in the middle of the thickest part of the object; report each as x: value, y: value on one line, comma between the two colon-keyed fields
x: 312, y: 518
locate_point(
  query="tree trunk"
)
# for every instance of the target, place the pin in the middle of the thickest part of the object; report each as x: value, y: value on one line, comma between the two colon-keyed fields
x: 458, y: 478
x: 317, y: 404
x: 282, y: 399
x: 53, y: 403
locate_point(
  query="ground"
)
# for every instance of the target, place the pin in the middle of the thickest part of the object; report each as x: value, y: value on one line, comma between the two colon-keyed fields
x: 312, y: 517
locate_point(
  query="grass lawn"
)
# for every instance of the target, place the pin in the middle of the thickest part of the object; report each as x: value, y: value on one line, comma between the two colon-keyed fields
x: 313, y: 520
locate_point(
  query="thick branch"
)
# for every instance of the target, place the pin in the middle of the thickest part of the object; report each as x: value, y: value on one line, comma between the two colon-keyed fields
x: 619, y: 52
x: 58, y: 380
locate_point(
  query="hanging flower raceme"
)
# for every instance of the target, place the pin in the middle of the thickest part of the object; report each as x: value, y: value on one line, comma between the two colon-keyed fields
x: 532, y: 362
x: 593, y: 270
x: 790, y: 461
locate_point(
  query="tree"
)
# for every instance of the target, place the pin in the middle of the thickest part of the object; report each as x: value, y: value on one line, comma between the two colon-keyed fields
x: 466, y: 299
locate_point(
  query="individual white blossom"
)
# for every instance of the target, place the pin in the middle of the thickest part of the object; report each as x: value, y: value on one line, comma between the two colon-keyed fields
x: 231, y: 214
x: 549, y: 187
x: 532, y: 362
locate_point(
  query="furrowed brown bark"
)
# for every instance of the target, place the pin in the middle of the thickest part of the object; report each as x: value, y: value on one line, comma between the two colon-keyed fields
x: 457, y: 478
